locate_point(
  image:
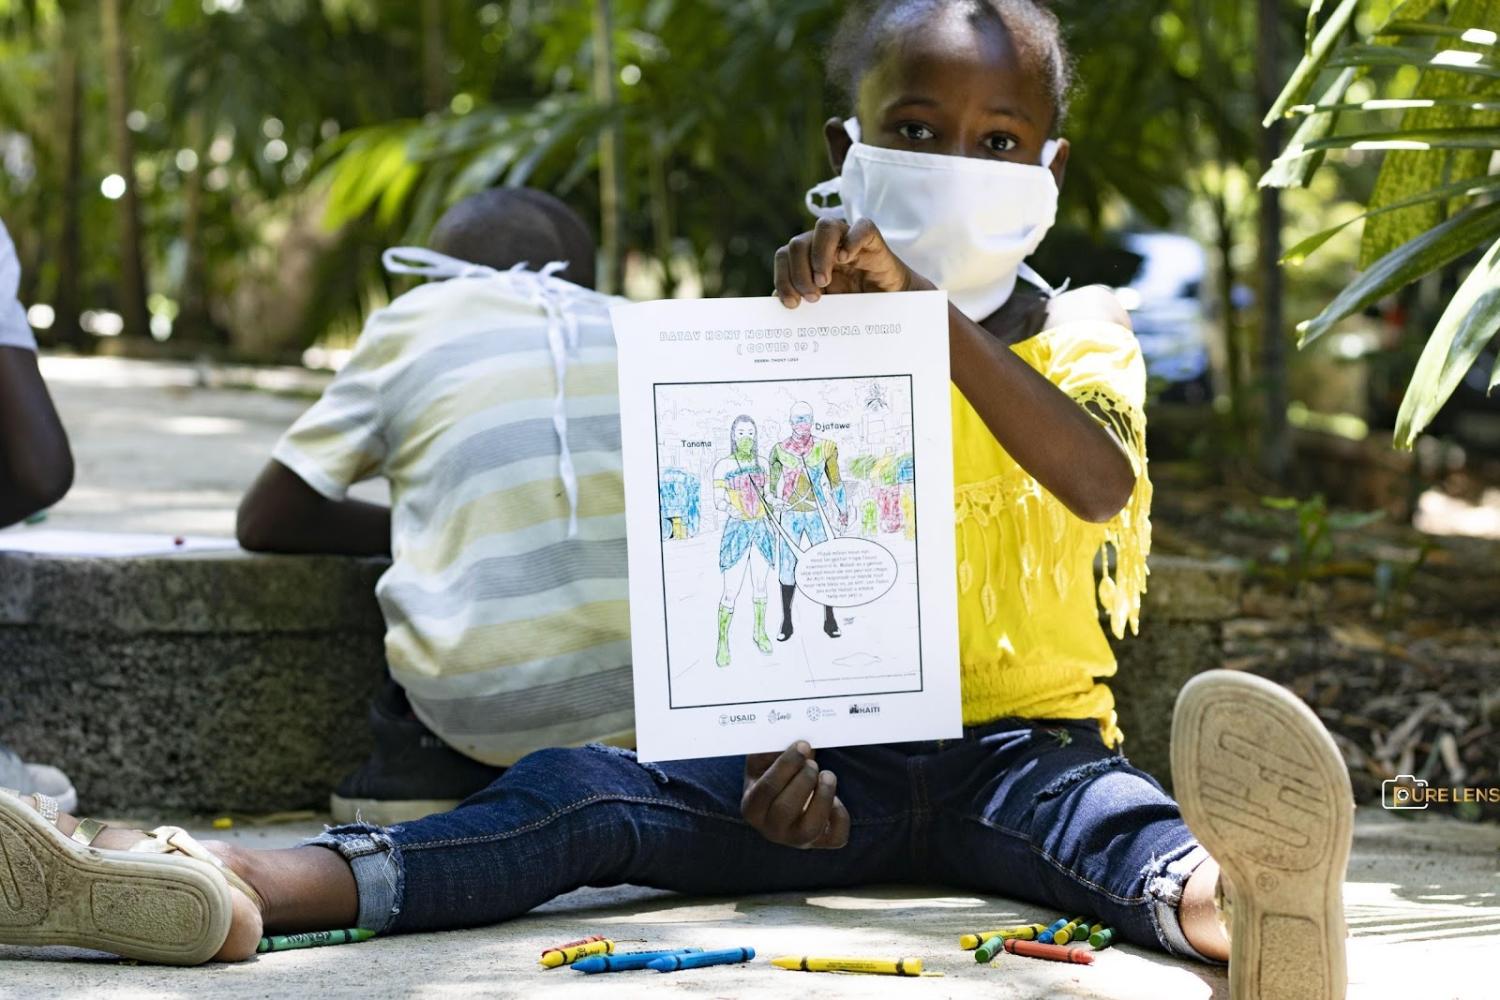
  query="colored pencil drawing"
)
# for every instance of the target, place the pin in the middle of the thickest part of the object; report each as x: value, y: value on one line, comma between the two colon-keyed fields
x: 806, y: 481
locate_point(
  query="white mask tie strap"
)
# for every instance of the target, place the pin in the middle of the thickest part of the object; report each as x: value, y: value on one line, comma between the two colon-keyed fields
x: 426, y: 263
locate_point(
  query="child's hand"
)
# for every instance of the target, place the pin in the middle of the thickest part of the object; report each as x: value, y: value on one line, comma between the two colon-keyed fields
x: 791, y: 802
x: 836, y: 257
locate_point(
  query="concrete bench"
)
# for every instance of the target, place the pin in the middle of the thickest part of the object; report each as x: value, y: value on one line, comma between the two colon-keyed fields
x: 224, y: 681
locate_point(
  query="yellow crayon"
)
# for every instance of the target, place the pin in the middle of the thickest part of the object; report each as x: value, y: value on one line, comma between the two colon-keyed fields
x: 553, y: 957
x: 874, y: 966
x: 969, y: 942
x: 1073, y: 928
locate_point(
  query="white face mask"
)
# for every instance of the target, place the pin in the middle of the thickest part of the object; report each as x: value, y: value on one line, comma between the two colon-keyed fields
x: 963, y: 223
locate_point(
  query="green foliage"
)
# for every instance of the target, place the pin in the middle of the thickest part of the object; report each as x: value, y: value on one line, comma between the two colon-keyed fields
x: 1433, y: 202
x: 1311, y: 550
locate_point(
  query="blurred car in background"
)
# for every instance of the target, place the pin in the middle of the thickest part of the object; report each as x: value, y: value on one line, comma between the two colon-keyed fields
x: 1165, y: 300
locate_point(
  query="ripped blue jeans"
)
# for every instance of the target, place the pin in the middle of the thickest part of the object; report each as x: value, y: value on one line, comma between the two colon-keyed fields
x: 1037, y: 810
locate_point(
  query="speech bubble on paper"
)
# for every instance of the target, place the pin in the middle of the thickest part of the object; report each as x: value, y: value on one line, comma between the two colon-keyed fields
x: 846, y: 572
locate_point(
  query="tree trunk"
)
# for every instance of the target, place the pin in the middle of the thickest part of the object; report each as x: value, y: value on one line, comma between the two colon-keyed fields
x: 434, y: 57
x: 611, y: 178
x: 132, y: 259
x: 193, y: 319
x: 1234, y: 348
x: 1276, y: 446
x: 67, y: 302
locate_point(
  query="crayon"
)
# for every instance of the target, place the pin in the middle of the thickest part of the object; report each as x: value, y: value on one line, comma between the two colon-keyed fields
x: 312, y: 939
x: 874, y: 966
x: 1052, y: 928
x: 989, y: 949
x: 567, y: 956
x: 626, y: 961
x: 1070, y: 930
x: 726, y: 956
x: 969, y: 942
x: 573, y: 944
x: 1052, y: 952
x: 1102, y: 938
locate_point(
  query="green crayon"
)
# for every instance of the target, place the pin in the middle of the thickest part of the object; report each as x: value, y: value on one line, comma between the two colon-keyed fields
x: 312, y: 939
x: 1102, y: 938
x: 1070, y: 930
x: 989, y: 949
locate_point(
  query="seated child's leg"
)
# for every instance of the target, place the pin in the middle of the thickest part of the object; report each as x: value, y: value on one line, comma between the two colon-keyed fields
x: 562, y: 819
x: 1048, y: 814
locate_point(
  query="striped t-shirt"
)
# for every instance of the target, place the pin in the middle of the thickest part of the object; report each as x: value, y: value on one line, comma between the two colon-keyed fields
x: 507, y: 634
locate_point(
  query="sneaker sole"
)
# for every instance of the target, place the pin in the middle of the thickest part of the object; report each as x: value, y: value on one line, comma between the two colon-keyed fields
x: 1265, y: 790
x: 150, y: 907
x: 386, y: 812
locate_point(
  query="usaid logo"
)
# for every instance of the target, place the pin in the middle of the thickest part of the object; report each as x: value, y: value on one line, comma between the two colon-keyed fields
x: 858, y: 709
x: 774, y: 716
x: 736, y: 718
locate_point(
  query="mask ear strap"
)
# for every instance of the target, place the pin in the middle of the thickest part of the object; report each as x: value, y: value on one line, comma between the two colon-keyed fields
x: 851, y: 128
x: 1049, y: 151
x: 816, y: 199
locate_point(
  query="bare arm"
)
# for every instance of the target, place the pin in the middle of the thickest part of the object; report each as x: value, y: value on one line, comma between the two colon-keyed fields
x: 1047, y: 433
x: 281, y: 513
x: 36, y: 465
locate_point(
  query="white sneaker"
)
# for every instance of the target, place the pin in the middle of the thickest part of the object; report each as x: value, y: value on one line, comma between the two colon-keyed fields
x: 1265, y: 790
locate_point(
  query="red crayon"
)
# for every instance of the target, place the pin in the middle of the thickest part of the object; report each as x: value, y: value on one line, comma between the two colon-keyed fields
x: 573, y: 944
x: 1055, y: 953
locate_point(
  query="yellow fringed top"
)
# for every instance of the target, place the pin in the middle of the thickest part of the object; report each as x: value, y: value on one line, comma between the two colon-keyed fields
x: 1030, y: 639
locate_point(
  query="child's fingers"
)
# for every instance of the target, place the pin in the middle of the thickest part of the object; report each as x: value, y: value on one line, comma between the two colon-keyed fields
x: 815, y: 821
x: 837, y: 834
x: 862, y: 238
x: 783, y: 270
x: 799, y: 267
x: 763, y: 791
x: 787, y: 808
x: 826, y: 238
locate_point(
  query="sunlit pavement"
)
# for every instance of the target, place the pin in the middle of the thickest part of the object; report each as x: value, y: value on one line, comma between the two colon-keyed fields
x: 1423, y: 900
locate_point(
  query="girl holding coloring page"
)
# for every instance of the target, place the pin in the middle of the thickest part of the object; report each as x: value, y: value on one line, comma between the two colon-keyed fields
x: 949, y: 169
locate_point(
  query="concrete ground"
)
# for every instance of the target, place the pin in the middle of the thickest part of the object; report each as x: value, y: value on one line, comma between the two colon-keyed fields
x: 167, y: 447
x: 1423, y: 900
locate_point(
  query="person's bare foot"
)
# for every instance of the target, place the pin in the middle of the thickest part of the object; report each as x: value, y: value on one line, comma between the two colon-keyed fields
x: 246, y: 924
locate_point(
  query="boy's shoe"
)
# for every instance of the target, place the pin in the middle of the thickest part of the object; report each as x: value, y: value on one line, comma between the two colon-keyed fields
x: 1264, y: 789
x: 30, y: 779
x: 411, y: 773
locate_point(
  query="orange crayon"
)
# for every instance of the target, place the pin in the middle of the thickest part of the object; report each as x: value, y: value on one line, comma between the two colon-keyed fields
x: 1051, y: 952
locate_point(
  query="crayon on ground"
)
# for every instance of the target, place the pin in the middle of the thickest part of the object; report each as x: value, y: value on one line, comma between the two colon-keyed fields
x: 567, y: 956
x: 969, y: 942
x: 1102, y: 938
x: 573, y: 944
x: 312, y: 939
x: 1052, y: 929
x: 725, y: 956
x: 1070, y: 930
x: 628, y: 961
x: 872, y: 966
x: 1051, y: 952
x: 989, y: 949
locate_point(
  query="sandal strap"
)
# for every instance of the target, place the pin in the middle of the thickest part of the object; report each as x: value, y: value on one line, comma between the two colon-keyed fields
x: 176, y: 840
x: 88, y: 831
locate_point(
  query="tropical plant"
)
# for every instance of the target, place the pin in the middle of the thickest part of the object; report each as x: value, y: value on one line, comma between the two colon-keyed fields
x: 1436, y: 66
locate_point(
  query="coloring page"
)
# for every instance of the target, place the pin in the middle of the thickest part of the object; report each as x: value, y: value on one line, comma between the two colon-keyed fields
x: 789, y: 507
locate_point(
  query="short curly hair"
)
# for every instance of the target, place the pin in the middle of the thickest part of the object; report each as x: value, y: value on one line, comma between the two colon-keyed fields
x: 867, y: 26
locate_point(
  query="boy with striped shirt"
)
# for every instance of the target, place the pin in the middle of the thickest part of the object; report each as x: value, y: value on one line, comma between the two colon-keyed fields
x: 489, y: 403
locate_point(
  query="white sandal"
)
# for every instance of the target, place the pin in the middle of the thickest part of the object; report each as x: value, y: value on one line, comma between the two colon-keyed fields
x: 166, y: 899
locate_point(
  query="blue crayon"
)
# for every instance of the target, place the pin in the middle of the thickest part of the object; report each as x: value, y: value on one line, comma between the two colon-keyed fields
x: 1046, y: 936
x: 627, y: 961
x: 727, y: 956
